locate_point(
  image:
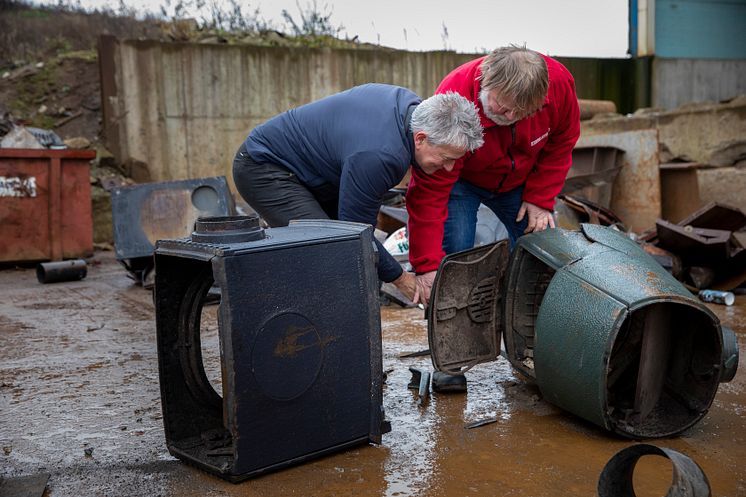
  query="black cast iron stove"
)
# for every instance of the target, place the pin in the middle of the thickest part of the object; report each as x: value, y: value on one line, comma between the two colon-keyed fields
x: 300, y: 343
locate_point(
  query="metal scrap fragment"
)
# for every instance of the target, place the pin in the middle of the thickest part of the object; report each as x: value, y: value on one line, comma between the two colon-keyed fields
x: 481, y: 422
x: 421, y: 382
x: 416, y: 353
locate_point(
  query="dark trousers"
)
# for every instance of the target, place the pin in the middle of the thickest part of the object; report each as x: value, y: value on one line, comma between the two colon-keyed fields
x: 277, y: 194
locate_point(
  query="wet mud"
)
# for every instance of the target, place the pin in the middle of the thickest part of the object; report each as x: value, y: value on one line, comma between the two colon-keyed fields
x: 79, y: 399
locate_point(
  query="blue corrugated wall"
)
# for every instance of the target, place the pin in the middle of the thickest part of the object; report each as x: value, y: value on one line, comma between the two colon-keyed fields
x: 700, y: 29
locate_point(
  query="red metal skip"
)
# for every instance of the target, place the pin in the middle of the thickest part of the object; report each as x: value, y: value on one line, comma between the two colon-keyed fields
x: 45, y: 204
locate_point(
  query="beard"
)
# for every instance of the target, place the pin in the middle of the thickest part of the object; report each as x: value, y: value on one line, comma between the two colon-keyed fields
x: 495, y: 118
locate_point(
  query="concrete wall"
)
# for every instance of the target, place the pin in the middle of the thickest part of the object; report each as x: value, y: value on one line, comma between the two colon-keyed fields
x: 679, y: 81
x: 178, y: 111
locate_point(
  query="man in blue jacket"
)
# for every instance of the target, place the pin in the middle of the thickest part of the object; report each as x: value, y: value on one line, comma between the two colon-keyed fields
x: 337, y: 157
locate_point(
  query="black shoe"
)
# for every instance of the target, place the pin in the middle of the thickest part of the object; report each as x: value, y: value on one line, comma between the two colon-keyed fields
x: 444, y: 382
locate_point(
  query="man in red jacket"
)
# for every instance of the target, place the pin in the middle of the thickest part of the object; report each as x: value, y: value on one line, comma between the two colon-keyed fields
x: 529, y: 110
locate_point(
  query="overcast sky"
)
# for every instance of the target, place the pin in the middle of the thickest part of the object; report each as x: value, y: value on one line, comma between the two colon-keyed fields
x: 581, y: 28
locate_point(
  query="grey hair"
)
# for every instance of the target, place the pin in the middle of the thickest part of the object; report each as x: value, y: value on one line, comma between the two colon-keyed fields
x: 449, y: 119
x: 517, y: 72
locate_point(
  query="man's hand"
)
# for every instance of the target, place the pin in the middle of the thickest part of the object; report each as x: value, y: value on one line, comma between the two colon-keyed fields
x: 538, y: 219
x: 424, y: 283
x: 406, y: 285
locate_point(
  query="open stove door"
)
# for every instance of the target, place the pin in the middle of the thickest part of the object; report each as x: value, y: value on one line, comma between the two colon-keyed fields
x: 466, y: 308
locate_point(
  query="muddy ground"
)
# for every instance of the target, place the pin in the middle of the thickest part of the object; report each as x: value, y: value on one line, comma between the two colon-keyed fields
x: 79, y: 399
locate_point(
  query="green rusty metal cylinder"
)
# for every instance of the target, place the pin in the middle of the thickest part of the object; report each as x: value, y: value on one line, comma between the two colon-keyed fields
x: 604, y: 331
x: 609, y: 335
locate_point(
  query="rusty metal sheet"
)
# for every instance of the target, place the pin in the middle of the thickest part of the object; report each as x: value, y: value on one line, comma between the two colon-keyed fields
x: 590, y: 211
x: 694, y: 245
x: 716, y: 216
x: 679, y: 190
x: 657, y: 334
x: 143, y: 214
x: 636, y: 196
x: 592, y: 173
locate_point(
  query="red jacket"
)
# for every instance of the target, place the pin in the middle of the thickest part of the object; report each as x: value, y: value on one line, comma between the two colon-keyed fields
x: 541, y: 150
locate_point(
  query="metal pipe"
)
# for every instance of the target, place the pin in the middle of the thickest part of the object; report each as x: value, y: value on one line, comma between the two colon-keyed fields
x: 54, y: 272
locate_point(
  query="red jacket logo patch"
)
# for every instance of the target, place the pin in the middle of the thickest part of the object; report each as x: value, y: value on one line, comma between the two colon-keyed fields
x: 534, y: 142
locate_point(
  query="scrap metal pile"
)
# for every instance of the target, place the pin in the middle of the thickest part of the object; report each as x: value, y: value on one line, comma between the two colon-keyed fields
x: 703, y: 250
